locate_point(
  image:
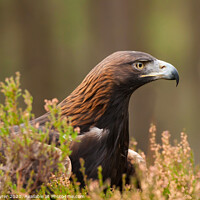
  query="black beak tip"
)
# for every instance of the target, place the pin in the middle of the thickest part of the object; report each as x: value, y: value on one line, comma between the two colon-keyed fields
x: 177, y: 82
x: 176, y: 77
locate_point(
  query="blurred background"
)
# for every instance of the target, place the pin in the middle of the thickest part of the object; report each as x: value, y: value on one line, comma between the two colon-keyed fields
x: 54, y: 44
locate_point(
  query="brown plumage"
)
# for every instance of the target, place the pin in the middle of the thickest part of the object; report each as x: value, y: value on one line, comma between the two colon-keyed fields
x: 99, y: 106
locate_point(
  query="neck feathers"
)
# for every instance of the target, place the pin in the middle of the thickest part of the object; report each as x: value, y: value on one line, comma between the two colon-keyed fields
x: 90, y: 100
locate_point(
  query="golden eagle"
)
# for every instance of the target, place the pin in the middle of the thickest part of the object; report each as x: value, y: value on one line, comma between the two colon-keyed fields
x: 99, y: 107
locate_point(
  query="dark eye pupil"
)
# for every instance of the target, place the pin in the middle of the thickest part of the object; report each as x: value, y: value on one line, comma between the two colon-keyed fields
x: 139, y: 65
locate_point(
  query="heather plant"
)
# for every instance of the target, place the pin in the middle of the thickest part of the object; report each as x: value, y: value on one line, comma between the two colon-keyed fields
x: 26, y: 159
x: 173, y: 174
x: 33, y: 162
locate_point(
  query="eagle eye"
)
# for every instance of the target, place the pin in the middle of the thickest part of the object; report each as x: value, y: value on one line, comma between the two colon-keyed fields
x: 139, y: 65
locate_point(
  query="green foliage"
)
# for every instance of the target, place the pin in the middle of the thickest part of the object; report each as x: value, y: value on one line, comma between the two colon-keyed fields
x: 26, y: 158
x: 29, y: 165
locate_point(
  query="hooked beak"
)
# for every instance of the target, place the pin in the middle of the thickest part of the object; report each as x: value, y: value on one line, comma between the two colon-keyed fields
x: 162, y: 70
